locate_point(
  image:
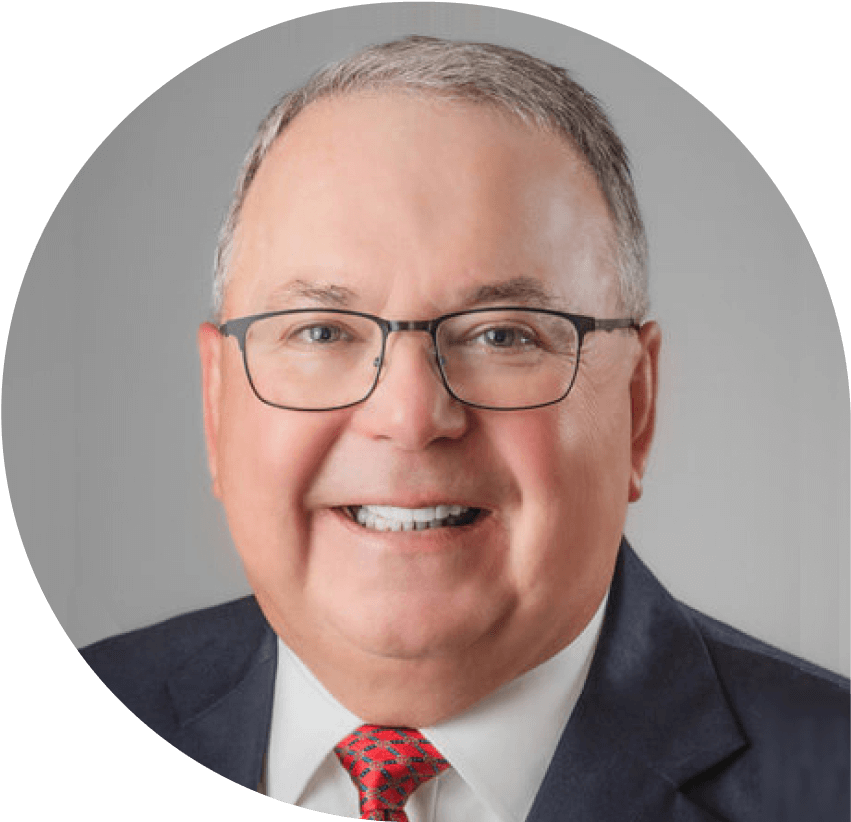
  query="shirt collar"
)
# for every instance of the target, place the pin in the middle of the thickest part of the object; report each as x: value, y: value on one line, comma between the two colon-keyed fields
x: 307, y: 722
x: 501, y: 747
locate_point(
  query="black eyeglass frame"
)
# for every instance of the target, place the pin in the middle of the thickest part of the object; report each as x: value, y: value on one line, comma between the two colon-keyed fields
x: 238, y: 328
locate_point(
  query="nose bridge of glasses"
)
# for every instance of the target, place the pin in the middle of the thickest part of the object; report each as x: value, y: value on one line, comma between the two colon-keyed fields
x: 423, y: 326
x: 411, y: 325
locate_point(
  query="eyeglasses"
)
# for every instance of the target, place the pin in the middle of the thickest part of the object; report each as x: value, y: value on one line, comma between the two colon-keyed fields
x: 501, y: 359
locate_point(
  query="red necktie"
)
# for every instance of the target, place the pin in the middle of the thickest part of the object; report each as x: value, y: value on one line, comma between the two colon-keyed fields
x: 387, y: 765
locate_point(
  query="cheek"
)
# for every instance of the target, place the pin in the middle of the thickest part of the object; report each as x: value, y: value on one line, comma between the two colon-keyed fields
x: 596, y: 445
x: 268, y: 458
x: 571, y: 467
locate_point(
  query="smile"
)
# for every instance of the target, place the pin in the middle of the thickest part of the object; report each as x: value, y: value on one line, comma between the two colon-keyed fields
x: 391, y: 518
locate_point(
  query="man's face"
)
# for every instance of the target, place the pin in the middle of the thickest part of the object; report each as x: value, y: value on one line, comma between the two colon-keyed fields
x: 409, y: 208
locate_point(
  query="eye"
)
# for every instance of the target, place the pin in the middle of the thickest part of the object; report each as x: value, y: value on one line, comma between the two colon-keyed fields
x: 507, y: 337
x: 320, y: 333
x: 317, y: 334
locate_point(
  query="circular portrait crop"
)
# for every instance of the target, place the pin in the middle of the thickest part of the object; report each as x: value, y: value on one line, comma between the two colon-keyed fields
x: 409, y: 395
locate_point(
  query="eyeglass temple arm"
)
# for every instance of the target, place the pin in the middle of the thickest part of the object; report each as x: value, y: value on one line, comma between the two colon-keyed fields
x: 611, y: 325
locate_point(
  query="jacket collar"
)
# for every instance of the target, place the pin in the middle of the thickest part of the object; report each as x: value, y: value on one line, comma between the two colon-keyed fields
x: 652, y: 714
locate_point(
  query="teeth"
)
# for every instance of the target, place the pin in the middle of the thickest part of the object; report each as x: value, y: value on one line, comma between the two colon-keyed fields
x: 391, y: 518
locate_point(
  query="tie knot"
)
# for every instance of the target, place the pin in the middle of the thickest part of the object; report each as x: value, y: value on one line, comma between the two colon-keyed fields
x: 387, y: 765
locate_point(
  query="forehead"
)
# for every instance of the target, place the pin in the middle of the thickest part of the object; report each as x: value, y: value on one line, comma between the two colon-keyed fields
x: 370, y: 191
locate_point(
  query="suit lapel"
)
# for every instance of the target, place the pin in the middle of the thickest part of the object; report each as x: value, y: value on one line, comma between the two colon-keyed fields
x: 652, y: 714
x: 222, y: 699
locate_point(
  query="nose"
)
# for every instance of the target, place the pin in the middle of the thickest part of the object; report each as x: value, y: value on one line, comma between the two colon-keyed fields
x: 410, y: 405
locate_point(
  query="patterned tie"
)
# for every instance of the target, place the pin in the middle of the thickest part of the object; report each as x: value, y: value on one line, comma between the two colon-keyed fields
x: 387, y: 765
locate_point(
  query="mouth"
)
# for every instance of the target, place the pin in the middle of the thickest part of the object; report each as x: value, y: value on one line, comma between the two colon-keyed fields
x: 392, y: 518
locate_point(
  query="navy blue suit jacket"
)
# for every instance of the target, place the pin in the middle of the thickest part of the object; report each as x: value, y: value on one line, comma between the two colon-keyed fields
x: 681, y: 718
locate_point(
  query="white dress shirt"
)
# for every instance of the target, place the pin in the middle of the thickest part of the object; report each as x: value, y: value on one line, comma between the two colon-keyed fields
x: 498, y: 750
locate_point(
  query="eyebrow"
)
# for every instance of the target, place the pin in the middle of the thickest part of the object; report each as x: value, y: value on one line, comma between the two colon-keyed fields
x: 519, y: 290
x: 335, y: 296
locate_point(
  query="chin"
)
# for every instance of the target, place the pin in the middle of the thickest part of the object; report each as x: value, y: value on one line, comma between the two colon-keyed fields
x: 413, y: 631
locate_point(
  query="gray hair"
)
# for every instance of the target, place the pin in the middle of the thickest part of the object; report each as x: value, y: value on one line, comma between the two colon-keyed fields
x: 533, y: 90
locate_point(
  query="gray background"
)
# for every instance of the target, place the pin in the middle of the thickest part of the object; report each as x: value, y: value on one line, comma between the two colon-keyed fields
x: 745, y: 513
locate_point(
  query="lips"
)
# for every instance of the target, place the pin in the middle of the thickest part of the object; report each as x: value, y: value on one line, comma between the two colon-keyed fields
x: 393, y: 518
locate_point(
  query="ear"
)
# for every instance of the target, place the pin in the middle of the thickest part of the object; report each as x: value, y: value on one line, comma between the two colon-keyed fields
x: 210, y: 348
x: 644, y: 387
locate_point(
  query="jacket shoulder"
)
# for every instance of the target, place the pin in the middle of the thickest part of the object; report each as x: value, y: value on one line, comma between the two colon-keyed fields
x: 741, y: 660
x: 137, y: 666
x: 795, y: 716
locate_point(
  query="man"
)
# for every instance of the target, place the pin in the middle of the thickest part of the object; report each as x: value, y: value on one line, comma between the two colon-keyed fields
x: 429, y: 397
